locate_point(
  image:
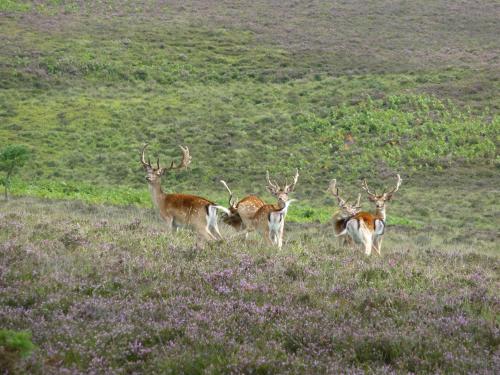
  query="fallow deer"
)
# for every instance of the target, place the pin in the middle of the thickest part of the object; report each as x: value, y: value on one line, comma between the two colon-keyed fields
x: 270, y: 218
x: 366, y: 228
x: 346, y: 211
x: 195, y: 212
x: 242, y: 211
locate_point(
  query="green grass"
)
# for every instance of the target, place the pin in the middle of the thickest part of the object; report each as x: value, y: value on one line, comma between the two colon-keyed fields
x: 85, y: 92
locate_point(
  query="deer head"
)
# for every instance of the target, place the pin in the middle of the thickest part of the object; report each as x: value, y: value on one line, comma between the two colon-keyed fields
x: 380, y: 199
x: 281, y: 193
x: 153, y: 174
x: 348, y: 208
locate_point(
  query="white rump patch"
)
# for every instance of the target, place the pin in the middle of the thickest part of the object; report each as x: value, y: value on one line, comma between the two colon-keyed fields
x: 353, y: 230
x: 212, y: 216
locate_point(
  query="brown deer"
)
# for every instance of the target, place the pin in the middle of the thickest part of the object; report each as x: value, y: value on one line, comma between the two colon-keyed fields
x: 241, y: 212
x: 342, y: 216
x: 270, y: 218
x: 366, y: 228
x: 177, y: 210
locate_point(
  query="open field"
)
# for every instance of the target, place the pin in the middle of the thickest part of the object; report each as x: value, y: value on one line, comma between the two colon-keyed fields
x: 105, y: 290
x: 86, y: 86
x: 340, y: 89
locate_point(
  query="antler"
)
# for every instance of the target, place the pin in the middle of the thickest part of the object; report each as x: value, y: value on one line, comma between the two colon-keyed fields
x: 143, y: 159
x: 358, y: 202
x: 289, y: 188
x: 396, y: 188
x: 332, y: 188
x: 231, y: 201
x: 272, y: 186
x: 186, y: 159
x: 364, y: 186
x: 342, y: 203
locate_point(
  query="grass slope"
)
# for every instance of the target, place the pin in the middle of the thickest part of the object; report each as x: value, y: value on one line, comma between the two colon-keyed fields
x: 104, y: 289
x: 347, y: 89
x: 86, y: 86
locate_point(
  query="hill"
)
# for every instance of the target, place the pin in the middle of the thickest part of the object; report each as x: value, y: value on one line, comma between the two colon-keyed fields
x: 344, y: 89
x: 247, y: 87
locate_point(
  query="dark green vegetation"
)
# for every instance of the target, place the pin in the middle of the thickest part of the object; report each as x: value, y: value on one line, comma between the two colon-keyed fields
x: 344, y: 89
x: 104, y: 289
x: 12, y: 159
x: 13, y: 347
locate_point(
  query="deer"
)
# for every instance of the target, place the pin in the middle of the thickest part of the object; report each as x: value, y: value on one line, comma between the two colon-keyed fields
x: 176, y: 210
x: 270, y: 218
x: 367, y: 228
x: 241, y: 212
x: 346, y: 211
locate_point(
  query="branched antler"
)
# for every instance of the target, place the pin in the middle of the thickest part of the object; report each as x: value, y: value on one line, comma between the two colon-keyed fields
x: 364, y: 186
x: 186, y: 159
x: 289, y: 188
x: 272, y: 186
x: 344, y: 203
x: 396, y: 188
x: 332, y: 188
x: 386, y: 195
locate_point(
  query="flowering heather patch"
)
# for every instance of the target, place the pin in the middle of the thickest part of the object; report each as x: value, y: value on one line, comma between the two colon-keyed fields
x: 106, y: 290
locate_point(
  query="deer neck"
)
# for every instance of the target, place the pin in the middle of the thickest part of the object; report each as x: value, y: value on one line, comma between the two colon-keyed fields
x: 157, y: 193
x: 380, y: 212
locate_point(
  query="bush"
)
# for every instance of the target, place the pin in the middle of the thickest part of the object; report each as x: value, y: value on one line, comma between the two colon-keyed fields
x: 13, y: 347
x: 12, y: 158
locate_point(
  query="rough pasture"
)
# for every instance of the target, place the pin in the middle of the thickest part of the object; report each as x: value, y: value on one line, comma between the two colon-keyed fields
x: 105, y: 290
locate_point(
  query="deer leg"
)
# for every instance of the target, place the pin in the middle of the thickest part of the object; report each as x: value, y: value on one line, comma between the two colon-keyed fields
x: 175, y: 226
x: 377, y: 244
x: 203, y: 236
x: 169, y: 221
x: 367, y: 241
x: 215, y: 231
x: 280, y: 235
x: 266, y: 233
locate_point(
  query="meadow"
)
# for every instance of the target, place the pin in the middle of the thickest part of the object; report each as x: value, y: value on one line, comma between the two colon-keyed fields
x: 91, y: 283
x: 105, y: 290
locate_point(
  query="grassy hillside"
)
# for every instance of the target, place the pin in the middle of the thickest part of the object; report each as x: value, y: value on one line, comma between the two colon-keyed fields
x: 86, y: 86
x: 105, y: 290
x: 345, y: 89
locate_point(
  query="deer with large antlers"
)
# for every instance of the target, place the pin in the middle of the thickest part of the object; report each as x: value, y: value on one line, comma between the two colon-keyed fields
x: 346, y: 211
x: 366, y: 228
x: 270, y: 218
x: 177, y: 210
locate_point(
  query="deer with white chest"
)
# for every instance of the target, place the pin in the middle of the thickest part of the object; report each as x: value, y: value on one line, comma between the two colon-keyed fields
x: 176, y: 209
x: 269, y: 219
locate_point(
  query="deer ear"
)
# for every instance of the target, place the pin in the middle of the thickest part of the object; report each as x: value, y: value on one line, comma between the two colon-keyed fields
x: 162, y: 171
x: 371, y: 199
